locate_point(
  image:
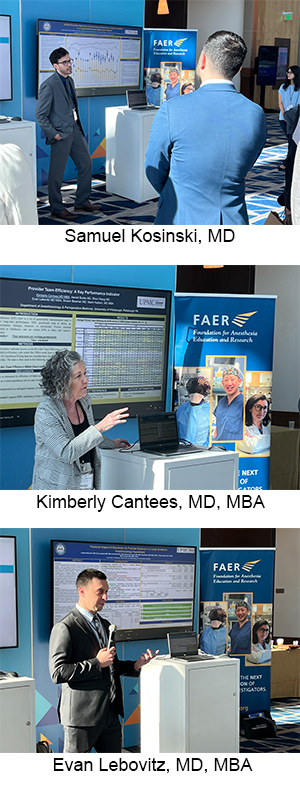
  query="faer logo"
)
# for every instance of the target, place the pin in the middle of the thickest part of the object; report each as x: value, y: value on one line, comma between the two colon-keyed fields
x: 166, y: 42
x: 241, y: 319
x: 222, y: 319
x: 250, y: 565
x: 179, y: 41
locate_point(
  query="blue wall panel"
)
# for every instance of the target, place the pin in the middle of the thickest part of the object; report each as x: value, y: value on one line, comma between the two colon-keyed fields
x: 17, y: 444
x: 34, y: 630
x: 46, y: 692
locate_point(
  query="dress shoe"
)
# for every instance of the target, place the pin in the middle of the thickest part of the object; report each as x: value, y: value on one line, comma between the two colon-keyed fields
x: 65, y: 215
x: 88, y: 208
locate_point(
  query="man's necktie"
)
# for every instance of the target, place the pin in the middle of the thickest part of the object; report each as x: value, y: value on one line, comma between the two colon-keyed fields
x: 69, y: 91
x: 113, y: 691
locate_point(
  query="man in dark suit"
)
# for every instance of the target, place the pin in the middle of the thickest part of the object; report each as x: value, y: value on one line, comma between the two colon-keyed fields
x: 203, y: 144
x: 57, y: 114
x: 79, y: 658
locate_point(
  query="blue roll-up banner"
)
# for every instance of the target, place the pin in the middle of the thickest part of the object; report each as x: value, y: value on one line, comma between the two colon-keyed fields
x: 223, y: 377
x: 236, y: 606
x: 169, y: 63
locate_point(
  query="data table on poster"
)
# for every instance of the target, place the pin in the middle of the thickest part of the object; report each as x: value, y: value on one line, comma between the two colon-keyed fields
x: 120, y: 333
x: 110, y: 348
x: 149, y: 586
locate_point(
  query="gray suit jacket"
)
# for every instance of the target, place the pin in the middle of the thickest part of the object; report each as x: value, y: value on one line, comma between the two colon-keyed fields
x: 73, y: 662
x: 57, y: 453
x: 54, y: 112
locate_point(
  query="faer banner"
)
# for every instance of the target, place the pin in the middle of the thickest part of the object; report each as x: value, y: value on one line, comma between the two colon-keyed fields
x: 236, y: 609
x: 169, y: 64
x: 223, y: 377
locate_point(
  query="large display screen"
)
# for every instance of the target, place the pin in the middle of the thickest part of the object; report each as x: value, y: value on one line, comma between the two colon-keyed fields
x: 5, y: 58
x: 8, y: 590
x: 267, y: 65
x: 106, y: 58
x: 151, y: 587
x: 121, y: 333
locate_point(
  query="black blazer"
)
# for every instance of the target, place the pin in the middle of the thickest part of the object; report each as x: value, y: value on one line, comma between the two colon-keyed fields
x: 73, y: 662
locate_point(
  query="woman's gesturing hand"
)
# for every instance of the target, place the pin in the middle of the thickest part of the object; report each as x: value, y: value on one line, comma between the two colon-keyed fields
x: 113, y: 419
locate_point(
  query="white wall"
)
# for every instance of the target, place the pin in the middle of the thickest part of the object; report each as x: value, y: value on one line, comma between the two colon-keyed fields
x: 287, y: 569
x: 207, y: 16
x: 284, y: 281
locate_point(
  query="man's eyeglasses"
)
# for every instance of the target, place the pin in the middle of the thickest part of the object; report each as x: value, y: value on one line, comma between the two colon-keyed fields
x: 65, y: 62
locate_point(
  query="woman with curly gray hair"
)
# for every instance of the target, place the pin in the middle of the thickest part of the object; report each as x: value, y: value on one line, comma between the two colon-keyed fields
x: 67, y: 439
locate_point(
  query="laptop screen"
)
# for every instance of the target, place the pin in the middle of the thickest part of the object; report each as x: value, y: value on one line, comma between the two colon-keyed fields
x: 183, y: 644
x: 136, y: 98
x: 158, y: 430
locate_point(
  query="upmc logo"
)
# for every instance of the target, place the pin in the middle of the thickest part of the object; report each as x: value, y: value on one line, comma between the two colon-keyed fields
x: 148, y: 302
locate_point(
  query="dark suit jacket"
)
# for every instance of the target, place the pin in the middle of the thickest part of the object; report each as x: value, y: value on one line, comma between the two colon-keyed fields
x: 54, y: 111
x: 85, y: 685
x: 200, y: 149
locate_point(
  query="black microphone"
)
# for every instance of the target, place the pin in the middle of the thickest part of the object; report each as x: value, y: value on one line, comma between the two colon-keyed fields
x: 111, y: 639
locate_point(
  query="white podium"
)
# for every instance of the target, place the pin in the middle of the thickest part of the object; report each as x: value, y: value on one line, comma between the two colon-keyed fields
x: 190, y: 706
x: 23, y: 134
x: 17, y: 715
x: 127, y: 136
x: 209, y: 470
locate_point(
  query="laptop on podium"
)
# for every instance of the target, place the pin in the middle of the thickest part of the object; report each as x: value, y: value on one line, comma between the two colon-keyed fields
x: 158, y: 434
x: 184, y: 646
x: 137, y: 99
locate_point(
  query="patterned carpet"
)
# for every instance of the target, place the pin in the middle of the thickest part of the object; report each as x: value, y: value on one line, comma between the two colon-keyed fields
x: 286, y: 714
x: 264, y: 183
x: 286, y: 711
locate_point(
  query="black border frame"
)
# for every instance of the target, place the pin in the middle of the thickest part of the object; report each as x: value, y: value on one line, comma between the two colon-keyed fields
x: 28, y: 413
x: 88, y: 92
x: 130, y: 635
x: 8, y: 647
x: 8, y: 16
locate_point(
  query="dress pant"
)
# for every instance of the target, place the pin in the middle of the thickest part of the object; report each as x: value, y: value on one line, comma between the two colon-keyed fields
x: 104, y: 737
x: 74, y: 145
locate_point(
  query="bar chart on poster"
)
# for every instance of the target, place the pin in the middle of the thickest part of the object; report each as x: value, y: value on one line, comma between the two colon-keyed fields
x: 95, y: 62
x: 106, y: 59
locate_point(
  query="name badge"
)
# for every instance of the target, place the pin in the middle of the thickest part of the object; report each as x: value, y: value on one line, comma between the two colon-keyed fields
x: 87, y: 481
x: 87, y: 476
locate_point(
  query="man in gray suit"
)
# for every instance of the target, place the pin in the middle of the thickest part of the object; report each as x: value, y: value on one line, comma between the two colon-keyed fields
x: 57, y: 114
x: 89, y: 670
